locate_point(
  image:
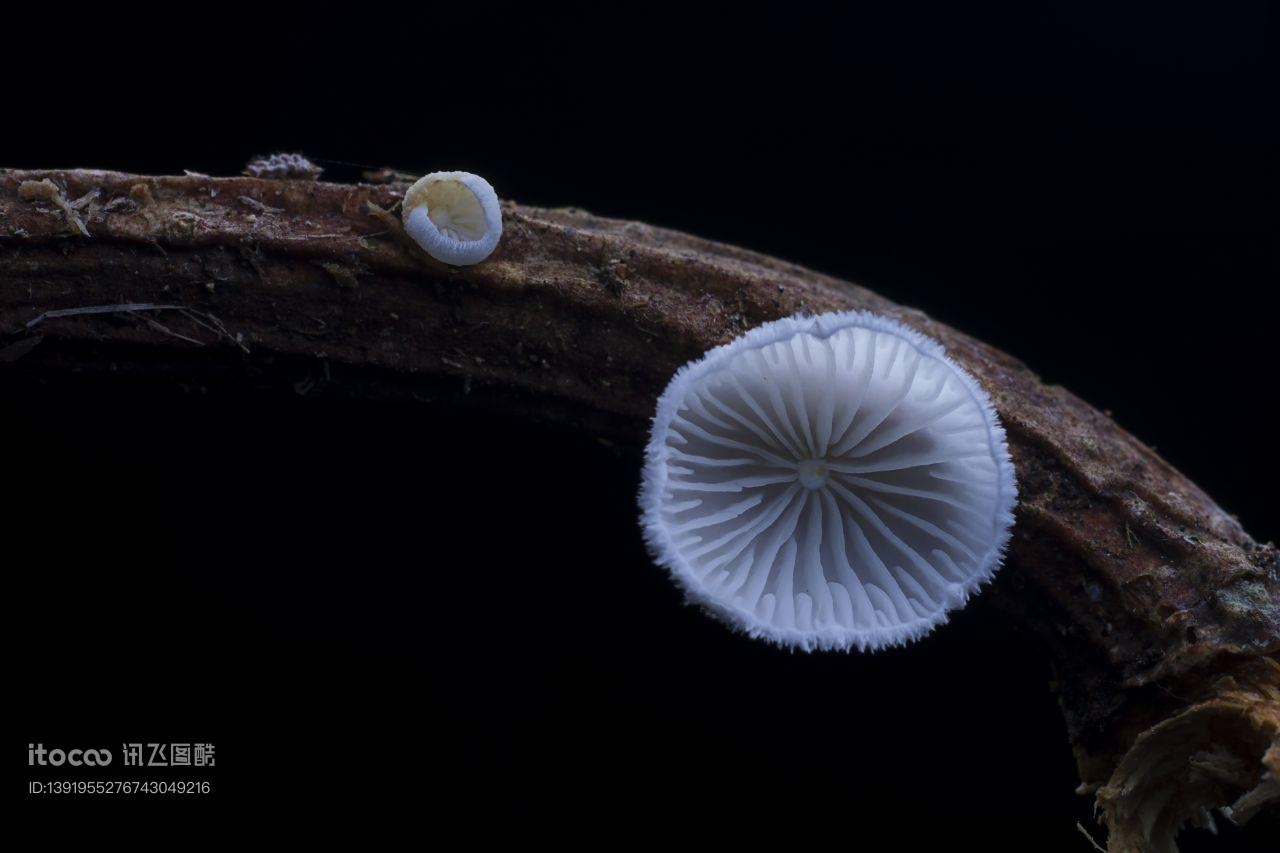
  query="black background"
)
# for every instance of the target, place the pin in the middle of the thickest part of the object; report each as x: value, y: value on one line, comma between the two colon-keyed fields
x: 388, y: 620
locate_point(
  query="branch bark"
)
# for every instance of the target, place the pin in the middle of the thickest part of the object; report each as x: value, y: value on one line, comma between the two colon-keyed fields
x: 1162, y: 615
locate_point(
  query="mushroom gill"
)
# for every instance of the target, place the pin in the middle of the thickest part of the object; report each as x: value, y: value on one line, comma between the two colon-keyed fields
x: 828, y: 482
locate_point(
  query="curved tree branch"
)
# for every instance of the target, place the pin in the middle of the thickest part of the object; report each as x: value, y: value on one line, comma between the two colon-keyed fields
x: 1163, y: 616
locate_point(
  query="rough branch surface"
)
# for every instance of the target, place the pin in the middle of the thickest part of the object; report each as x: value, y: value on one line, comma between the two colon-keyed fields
x: 1162, y: 614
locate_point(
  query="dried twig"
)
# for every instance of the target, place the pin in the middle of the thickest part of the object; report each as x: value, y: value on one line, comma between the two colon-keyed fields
x: 1162, y: 615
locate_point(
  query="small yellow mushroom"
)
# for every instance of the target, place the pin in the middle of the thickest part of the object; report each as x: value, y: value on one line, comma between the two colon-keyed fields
x: 454, y: 216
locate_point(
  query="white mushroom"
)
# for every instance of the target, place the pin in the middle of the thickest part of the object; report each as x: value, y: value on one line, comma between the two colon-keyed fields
x: 454, y: 216
x: 828, y: 482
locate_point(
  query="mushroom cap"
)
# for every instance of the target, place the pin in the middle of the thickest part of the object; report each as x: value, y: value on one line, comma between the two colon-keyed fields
x: 828, y: 482
x: 454, y: 216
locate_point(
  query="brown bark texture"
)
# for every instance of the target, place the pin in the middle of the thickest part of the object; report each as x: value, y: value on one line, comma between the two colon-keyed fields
x: 1161, y: 614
